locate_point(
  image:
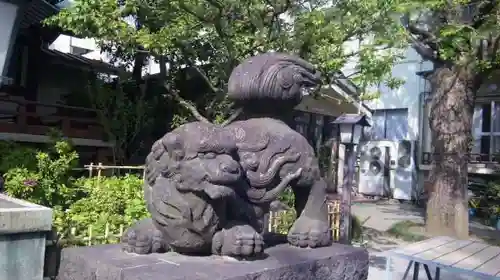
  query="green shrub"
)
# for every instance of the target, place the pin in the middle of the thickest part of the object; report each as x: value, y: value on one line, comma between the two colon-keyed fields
x: 49, y: 183
x: 15, y: 155
x: 357, y: 228
x: 285, y: 221
x: 288, y: 198
x: 487, y: 201
x: 116, y: 201
x: 44, y: 177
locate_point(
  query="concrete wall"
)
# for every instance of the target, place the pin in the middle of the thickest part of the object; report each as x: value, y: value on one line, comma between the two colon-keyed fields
x: 22, y: 256
x: 8, y: 16
x: 22, y: 238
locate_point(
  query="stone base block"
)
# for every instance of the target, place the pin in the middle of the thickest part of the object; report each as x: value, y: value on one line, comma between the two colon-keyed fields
x: 108, y: 262
x: 23, y: 228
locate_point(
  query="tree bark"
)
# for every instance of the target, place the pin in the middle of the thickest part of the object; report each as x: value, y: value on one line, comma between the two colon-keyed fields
x: 452, y: 108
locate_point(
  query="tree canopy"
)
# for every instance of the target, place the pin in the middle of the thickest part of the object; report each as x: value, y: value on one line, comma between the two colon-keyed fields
x: 223, y: 32
x: 455, y: 33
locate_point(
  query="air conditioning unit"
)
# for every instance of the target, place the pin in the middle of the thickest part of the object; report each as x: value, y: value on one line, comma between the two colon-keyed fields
x: 373, y: 168
x: 403, y: 169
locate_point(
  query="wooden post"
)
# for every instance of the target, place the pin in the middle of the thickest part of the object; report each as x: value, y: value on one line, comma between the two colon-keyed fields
x: 341, y: 162
x: 90, y: 169
x: 99, y: 170
x: 121, y: 231
x: 345, y: 203
x: 106, y: 233
x: 90, y: 236
x: 332, y: 163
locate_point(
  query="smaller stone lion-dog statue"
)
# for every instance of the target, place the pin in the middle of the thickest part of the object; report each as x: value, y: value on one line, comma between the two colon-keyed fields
x: 209, y: 186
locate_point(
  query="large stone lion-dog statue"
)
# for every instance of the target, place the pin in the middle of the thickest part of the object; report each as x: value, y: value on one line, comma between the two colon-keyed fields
x: 209, y: 186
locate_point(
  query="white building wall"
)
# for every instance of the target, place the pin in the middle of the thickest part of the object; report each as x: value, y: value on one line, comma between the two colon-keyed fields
x: 8, y: 14
x: 63, y: 43
x: 408, y: 95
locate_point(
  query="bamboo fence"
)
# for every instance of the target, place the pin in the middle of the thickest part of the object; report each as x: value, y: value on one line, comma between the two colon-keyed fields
x: 279, y: 222
x: 97, y: 169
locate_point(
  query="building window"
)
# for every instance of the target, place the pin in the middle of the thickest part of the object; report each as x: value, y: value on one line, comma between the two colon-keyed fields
x: 302, y: 123
x: 486, y: 130
x: 388, y: 124
x: 317, y: 129
x: 79, y: 51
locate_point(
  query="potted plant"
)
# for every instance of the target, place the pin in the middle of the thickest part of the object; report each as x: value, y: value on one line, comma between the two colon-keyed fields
x: 473, y: 206
x: 495, y: 216
x: 357, y: 231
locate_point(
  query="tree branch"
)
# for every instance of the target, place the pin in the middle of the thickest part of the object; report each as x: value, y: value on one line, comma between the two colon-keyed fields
x: 425, y: 44
x: 227, y: 42
x: 217, y: 26
x: 192, y: 109
x: 193, y: 13
x: 205, y: 78
x: 426, y: 52
x: 426, y: 35
x: 353, y: 74
x: 484, y: 10
x: 355, y: 53
x: 493, y: 49
x: 215, y: 4
x: 480, y: 50
x: 232, y: 117
x: 191, y: 64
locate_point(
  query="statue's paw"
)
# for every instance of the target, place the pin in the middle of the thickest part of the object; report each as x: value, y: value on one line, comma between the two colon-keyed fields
x: 307, y: 232
x: 143, y: 238
x: 238, y: 241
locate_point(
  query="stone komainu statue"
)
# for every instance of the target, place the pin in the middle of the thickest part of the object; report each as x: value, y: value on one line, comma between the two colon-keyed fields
x: 208, y: 186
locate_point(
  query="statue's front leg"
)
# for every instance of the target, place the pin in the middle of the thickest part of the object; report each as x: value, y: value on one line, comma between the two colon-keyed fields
x: 144, y: 238
x: 238, y: 240
x: 311, y: 229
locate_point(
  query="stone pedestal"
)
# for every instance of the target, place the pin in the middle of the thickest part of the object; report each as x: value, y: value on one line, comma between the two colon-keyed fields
x: 23, y: 227
x: 108, y: 262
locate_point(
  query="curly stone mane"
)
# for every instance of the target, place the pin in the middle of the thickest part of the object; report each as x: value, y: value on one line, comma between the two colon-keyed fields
x: 271, y: 76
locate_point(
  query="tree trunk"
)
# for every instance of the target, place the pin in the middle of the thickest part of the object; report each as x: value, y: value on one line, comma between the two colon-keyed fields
x: 452, y: 108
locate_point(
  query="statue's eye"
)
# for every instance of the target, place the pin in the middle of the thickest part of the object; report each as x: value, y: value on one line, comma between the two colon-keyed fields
x: 209, y: 155
x: 201, y: 155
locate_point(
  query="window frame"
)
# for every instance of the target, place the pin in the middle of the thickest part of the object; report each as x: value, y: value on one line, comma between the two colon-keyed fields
x: 384, y: 115
x: 491, y: 134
